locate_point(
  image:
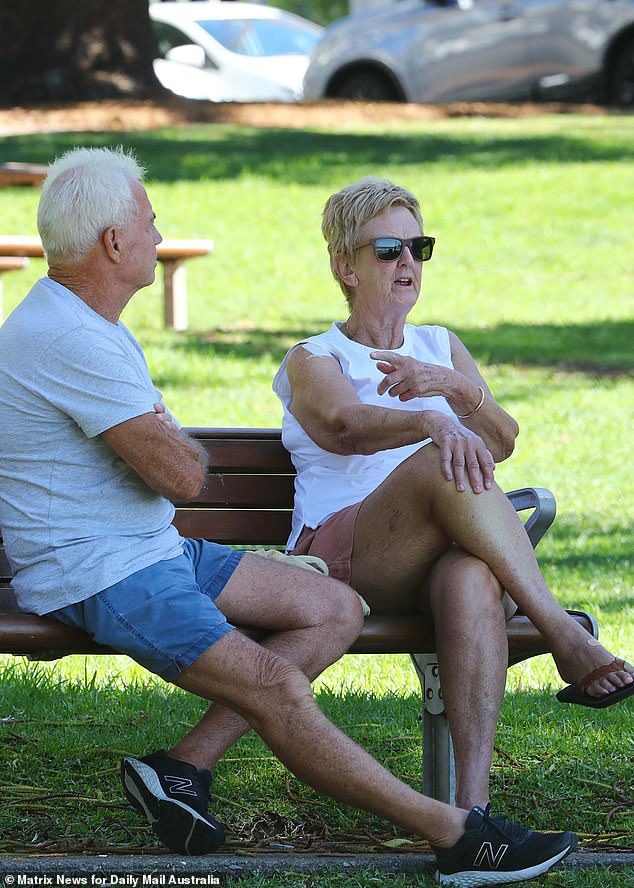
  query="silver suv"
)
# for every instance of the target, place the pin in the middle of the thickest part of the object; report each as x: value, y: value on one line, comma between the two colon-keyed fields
x: 438, y: 51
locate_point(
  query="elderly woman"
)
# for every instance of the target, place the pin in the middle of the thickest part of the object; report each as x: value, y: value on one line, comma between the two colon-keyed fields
x: 395, y: 436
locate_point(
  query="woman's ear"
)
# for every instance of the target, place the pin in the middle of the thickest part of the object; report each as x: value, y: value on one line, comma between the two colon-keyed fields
x: 345, y: 271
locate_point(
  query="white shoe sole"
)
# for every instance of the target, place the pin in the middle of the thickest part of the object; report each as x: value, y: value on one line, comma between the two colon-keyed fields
x: 475, y: 879
x: 178, y: 826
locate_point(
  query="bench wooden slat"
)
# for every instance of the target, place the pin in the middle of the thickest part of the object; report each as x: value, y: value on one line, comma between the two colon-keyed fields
x: 13, y: 263
x: 252, y: 491
x: 41, y: 637
x: 234, y: 455
x: 235, y: 527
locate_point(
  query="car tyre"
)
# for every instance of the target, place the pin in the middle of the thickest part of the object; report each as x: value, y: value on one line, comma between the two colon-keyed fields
x: 369, y: 86
x: 622, y: 79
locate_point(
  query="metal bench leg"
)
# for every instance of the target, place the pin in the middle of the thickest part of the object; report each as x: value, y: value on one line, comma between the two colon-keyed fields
x: 439, y: 774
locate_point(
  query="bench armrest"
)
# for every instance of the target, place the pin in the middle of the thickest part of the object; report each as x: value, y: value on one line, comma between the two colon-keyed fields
x: 544, y: 507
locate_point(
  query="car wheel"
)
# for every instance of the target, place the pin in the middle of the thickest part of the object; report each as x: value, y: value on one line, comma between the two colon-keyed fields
x: 370, y: 86
x: 622, y: 79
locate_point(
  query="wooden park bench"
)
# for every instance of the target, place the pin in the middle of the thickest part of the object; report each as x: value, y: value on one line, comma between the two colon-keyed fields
x: 172, y: 254
x: 247, y: 501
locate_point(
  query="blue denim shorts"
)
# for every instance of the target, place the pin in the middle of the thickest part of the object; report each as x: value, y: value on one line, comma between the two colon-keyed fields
x: 163, y: 616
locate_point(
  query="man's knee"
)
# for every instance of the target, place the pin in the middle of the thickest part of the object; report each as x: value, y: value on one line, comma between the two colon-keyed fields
x: 279, y: 686
x: 342, y: 611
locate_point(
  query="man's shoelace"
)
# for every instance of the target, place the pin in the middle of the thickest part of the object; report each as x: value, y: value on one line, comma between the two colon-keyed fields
x: 505, y: 827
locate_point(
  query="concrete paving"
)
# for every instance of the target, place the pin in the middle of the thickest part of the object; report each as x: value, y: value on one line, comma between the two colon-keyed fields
x: 135, y: 871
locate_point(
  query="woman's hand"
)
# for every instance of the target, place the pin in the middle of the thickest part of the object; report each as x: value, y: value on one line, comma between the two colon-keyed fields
x: 406, y: 378
x: 461, y: 451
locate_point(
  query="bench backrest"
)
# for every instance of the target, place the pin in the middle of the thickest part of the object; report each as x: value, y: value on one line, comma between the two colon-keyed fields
x: 248, y: 496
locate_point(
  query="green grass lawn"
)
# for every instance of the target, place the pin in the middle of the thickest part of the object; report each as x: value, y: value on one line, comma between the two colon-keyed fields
x: 533, y: 269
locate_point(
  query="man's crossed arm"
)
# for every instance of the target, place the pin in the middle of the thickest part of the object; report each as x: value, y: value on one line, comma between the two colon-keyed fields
x: 167, y: 459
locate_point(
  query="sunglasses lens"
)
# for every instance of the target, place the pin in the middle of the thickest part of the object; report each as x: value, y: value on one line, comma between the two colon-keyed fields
x: 387, y: 249
x: 422, y: 248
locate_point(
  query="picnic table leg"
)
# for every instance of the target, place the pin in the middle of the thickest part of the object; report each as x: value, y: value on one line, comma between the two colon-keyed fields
x: 439, y: 774
x: 175, y: 294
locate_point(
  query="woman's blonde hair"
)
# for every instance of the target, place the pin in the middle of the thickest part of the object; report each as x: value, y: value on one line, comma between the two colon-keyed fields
x: 86, y: 191
x: 346, y: 212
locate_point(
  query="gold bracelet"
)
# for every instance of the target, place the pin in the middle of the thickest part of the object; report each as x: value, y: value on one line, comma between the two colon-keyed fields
x: 467, y: 415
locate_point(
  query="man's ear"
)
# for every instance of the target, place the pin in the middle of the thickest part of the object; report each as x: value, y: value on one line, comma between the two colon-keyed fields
x: 110, y: 239
x: 345, y: 271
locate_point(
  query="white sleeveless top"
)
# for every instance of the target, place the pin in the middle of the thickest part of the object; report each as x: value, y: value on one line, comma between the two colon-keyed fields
x: 327, y: 482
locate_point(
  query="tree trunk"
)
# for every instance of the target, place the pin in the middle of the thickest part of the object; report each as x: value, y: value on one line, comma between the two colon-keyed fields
x: 72, y: 50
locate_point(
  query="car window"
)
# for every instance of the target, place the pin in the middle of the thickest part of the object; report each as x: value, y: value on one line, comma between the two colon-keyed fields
x: 262, y: 37
x: 168, y: 37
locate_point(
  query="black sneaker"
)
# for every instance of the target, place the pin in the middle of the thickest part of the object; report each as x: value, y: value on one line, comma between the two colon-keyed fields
x: 174, y: 797
x: 496, y: 852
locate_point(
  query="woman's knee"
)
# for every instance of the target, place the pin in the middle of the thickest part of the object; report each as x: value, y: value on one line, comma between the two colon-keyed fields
x: 462, y: 577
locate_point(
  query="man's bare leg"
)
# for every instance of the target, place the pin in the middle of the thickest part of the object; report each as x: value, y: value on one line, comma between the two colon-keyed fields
x: 316, y: 620
x: 275, y: 699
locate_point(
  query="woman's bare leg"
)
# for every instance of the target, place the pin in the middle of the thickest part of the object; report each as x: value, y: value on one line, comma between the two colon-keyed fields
x: 415, y: 514
x: 465, y: 599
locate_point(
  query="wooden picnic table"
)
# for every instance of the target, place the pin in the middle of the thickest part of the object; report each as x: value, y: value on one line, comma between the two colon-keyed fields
x: 13, y: 173
x: 172, y: 254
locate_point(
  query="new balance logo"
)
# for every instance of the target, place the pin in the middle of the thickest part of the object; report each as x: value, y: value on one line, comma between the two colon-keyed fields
x: 487, y: 856
x: 181, y: 785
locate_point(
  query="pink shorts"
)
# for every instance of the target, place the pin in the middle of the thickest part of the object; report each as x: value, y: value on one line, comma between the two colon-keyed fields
x: 332, y: 541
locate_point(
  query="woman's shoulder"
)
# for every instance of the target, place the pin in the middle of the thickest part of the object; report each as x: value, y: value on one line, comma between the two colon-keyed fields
x: 428, y: 332
x: 430, y: 337
x: 322, y: 343
x: 319, y: 344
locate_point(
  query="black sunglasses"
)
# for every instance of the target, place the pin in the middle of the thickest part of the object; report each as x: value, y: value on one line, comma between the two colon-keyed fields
x: 387, y: 249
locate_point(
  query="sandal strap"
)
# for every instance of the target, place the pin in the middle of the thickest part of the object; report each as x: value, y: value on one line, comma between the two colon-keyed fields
x: 614, y: 666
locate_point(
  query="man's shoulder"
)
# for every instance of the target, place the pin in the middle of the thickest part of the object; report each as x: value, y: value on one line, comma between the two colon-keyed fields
x: 43, y: 313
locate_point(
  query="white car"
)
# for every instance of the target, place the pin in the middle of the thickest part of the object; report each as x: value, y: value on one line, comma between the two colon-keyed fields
x: 232, y: 52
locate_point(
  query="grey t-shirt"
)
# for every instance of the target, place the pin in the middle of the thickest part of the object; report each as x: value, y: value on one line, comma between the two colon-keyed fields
x: 75, y: 517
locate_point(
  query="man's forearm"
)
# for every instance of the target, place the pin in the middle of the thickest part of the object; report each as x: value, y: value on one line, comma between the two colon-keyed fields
x: 166, y: 458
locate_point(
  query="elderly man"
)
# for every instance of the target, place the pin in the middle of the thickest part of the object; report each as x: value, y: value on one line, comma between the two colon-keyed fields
x: 90, y: 460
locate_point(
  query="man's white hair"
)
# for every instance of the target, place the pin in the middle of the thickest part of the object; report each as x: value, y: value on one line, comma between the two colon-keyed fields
x: 86, y: 191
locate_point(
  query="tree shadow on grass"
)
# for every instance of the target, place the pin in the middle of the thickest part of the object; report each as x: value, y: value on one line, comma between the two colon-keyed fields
x: 597, y: 349
x: 596, y: 556
x: 310, y: 157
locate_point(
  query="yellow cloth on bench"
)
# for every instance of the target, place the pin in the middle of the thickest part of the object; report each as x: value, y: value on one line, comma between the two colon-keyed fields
x: 307, y: 562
